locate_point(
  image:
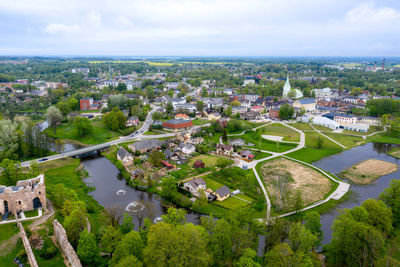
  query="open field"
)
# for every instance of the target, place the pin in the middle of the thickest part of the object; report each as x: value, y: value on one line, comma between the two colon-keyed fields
x: 346, y: 140
x: 395, y: 153
x: 279, y: 130
x: 200, y: 122
x: 213, y: 185
x: 301, y: 126
x: 263, y: 144
x: 322, y: 128
x: 100, y: 133
x: 284, y: 177
x: 209, y: 160
x: 367, y: 171
x: 233, y: 202
x: 384, y: 138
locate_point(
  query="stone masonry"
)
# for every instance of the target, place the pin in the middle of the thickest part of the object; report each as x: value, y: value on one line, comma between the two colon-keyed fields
x: 66, y: 247
x: 25, y: 196
x: 27, y: 245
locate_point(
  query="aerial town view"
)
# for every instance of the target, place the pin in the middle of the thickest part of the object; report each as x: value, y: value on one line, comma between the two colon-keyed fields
x: 199, y: 133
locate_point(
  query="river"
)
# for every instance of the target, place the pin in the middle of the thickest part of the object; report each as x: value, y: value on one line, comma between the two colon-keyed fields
x: 112, y: 190
x: 339, y: 162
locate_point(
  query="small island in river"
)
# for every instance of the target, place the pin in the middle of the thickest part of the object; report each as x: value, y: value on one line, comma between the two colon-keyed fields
x: 369, y: 170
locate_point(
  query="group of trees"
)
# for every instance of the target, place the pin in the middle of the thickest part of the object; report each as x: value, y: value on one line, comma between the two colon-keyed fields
x: 115, y: 119
x: 362, y: 235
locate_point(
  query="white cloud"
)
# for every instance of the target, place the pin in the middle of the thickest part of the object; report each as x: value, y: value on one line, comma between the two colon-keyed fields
x: 57, y: 28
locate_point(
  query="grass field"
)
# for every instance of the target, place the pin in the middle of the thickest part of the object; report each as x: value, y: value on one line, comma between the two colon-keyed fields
x: 200, y: 122
x: 209, y: 160
x: 346, y: 140
x: 263, y: 144
x: 213, y: 185
x: 100, y: 133
x: 31, y: 213
x: 383, y: 138
x: 322, y: 128
x: 232, y: 203
x: 311, y: 183
x: 279, y: 130
x: 260, y: 155
x: 301, y: 126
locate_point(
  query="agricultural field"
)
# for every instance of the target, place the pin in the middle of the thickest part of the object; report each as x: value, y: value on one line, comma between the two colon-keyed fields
x: 284, y: 177
x: 278, y: 129
x: 367, y: 171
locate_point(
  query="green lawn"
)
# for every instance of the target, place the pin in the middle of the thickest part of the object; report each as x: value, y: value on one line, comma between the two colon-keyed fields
x: 260, y: 155
x: 347, y: 140
x: 152, y: 133
x: 301, y: 126
x: 383, y: 138
x: 311, y: 152
x: 263, y: 144
x: 10, y: 229
x: 231, y: 203
x: 31, y: 213
x: 213, y: 185
x: 200, y: 122
x: 209, y: 160
x: 322, y: 128
x: 100, y: 133
x: 278, y: 129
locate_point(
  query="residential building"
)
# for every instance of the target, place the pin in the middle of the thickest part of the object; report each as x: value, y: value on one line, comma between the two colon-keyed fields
x: 193, y: 186
x: 246, y: 155
x: 131, y: 121
x: 124, y: 156
x: 258, y: 109
x: 274, y: 113
x: 225, y: 150
x: 308, y: 104
x: 145, y: 146
x: 181, y: 116
x: 239, y: 109
x: 90, y: 104
x: 223, y: 193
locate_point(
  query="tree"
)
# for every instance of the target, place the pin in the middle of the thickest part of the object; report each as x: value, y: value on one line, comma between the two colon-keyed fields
x: 169, y: 108
x: 298, y: 202
x: 312, y: 222
x: 74, y: 224
x: 64, y: 108
x: 174, y: 216
x: 73, y: 104
x: 248, y: 259
x: 168, y: 187
x: 281, y: 255
x: 286, y: 111
x: 235, y: 103
x: 110, y: 239
x: 8, y: 139
x: 224, y: 136
x: 129, y: 261
x: 10, y: 173
x: 379, y: 215
x: 34, y: 169
x: 121, y: 87
x: 127, y: 224
x: 54, y: 117
x: 156, y: 157
x: 119, y: 101
x: 130, y: 244
x: 156, y: 116
x: 82, y: 126
x: 220, y: 241
x: 300, y: 239
x: 115, y: 119
x: 391, y: 197
x: 200, y: 106
x: 150, y: 92
x: 87, y: 251
x: 320, y: 142
x: 182, y: 245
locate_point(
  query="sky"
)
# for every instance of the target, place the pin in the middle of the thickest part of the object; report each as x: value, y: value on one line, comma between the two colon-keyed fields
x: 200, y: 27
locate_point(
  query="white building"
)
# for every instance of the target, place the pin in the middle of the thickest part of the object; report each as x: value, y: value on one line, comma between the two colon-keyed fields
x: 287, y: 88
x: 322, y: 121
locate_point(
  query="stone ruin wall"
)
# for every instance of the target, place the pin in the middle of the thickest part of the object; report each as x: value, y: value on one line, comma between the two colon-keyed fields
x: 65, y: 246
x: 22, y: 199
x: 27, y: 245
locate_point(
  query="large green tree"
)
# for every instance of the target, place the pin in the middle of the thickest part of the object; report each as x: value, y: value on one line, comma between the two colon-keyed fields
x: 54, y: 117
x: 82, y: 126
x: 87, y: 251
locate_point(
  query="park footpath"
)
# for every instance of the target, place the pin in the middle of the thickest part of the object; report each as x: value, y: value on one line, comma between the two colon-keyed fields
x: 339, y: 192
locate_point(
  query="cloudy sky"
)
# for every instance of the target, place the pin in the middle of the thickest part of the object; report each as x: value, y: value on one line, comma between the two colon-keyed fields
x: 200, y: 27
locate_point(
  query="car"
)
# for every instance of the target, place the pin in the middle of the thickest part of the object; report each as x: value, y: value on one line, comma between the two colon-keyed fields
x: 136, y: 132
x: 41, y: 160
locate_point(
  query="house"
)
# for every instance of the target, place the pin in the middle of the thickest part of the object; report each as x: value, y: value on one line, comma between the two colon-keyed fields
x: 250, y: 115
x: 190, y: 108
x: 137, y: 173
x: 199, y: 164
x: 181, y: 117
x: 197, y: 140
x: 246, y: 155
x: 145, y: 146
x: 308, y: 104
x: 258, y: 109
x: 225, y: 150
x: 239, y: 109
x: 193, y: 186
x: 167, y: 164
x: 223, y: 193
x: 170, y: 155
x: 177, y: 125
x: 124, y: 156
x: 187, y: 148
x: 133, y: 120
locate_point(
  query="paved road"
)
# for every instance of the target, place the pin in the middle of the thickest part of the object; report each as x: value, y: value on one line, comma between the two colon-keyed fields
x: 137, y: 135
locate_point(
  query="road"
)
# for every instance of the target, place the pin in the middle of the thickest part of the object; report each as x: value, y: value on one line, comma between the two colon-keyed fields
x: 139, y: 134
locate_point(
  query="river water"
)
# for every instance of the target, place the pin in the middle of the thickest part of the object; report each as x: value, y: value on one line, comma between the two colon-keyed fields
x: 112, y: 190
x: 339, y: 162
